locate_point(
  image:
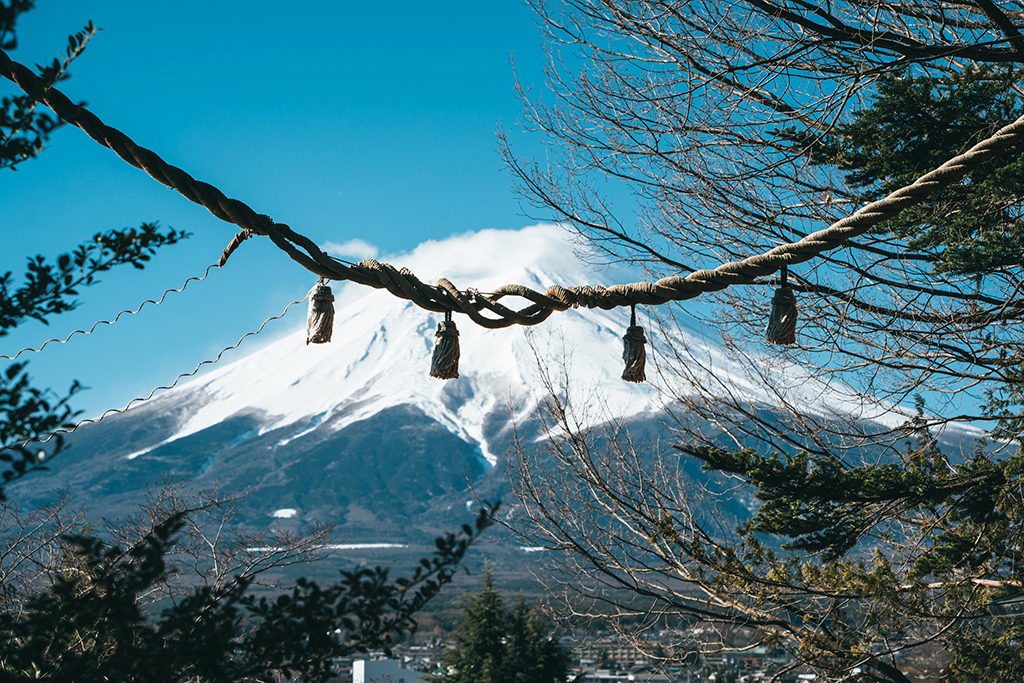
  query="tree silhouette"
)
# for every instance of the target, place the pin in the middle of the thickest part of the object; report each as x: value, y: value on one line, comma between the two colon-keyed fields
x: 495, y: 645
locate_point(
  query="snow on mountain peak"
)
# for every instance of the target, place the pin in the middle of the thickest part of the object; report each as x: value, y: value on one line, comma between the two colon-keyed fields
x: 380, y: 353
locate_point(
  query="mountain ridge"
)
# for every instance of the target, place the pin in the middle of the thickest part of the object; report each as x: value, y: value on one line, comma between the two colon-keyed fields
x: 356, y: 432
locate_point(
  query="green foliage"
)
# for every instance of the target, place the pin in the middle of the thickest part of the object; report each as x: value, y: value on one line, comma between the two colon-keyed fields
x: 496, y: 645
x: 851, y: 560
x: 48, y: 288
x: 823, y: 505
x: 945, y: 540
x: 1005, y: 400
x: 24, y: 130
x: 28, y: 413
x: 10, y: 10
x: 531, y: 654
x: 890, y: 546
x: 913, y: 126
x: 89, y: 625
x: 982, y: 657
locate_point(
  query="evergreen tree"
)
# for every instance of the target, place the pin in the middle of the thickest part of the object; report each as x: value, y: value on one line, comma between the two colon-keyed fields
x: 532, y: 656
x: 90, y: 623
x: 497, y: 645
x: 479, y: 649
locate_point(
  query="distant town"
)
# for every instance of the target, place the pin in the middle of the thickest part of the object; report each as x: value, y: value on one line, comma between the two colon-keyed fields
x: 604, y: 658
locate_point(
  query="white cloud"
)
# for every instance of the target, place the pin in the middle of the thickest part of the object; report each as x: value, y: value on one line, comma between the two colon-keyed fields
x: 356, y: 248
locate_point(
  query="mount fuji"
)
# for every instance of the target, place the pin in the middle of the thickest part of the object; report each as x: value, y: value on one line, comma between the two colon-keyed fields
x: 381, y: 349
x: 355, y: 431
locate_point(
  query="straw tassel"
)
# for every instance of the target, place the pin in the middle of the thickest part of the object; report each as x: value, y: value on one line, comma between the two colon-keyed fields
x: 320, y: 323
x: 445, y: 363
x: 633, y: 352
x: 782, y: 322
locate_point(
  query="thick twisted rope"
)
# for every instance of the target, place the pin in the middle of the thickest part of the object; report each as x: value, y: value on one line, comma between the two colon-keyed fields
x: 444, y: 296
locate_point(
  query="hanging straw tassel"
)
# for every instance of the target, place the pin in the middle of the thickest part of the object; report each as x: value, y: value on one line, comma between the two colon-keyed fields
x: 320, y: 323
x: 445, y: 364
x: 782, y: 322
x: 633, y: 352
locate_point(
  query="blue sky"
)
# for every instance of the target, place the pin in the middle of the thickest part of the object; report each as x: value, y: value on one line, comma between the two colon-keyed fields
x: 371, y: 121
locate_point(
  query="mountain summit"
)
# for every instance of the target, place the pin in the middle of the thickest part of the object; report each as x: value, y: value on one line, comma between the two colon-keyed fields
x: 357, y: 431
x: 380, y: 354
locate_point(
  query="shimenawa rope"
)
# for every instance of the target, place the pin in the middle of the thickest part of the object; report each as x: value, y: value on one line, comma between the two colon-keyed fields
x: 444, y: 296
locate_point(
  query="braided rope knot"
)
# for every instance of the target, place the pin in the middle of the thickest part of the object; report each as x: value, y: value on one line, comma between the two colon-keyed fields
x: 376, y: 268
x: 261, y: 225
x: 560, y: 295
x: 586, y: 296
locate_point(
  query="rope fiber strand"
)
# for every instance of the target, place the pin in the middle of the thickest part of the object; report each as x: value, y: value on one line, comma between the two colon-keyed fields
x: 444, y: 296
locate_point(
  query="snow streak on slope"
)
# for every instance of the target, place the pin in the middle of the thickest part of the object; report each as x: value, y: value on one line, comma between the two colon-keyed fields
x: 380, y: 354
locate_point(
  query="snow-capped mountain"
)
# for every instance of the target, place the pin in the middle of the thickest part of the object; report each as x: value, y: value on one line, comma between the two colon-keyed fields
x: 380, y: 353
x: 356, y: 431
